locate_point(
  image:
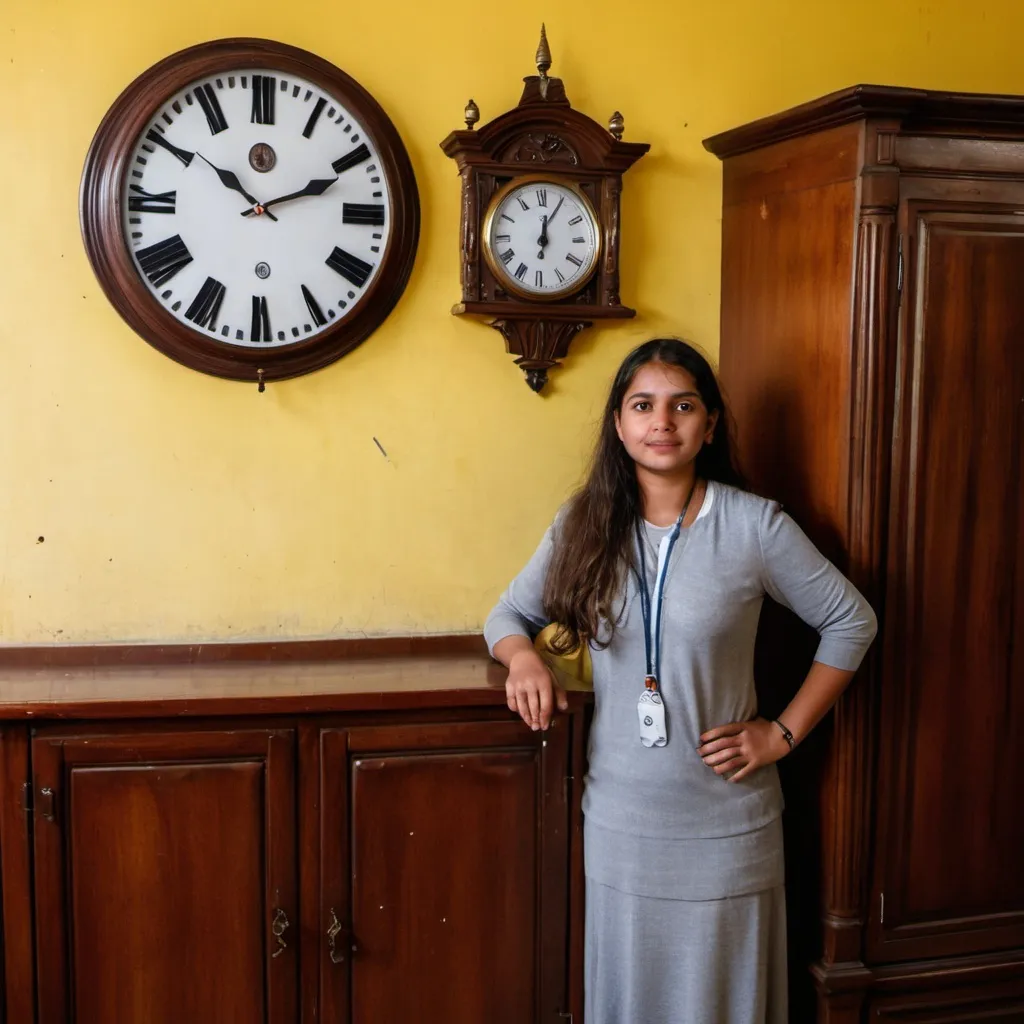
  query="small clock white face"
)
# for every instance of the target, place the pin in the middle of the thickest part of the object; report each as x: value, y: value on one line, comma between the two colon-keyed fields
x: 256, y: 208
x: 542, y: 239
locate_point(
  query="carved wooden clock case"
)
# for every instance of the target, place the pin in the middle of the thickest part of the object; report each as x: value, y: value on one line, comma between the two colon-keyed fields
x: 534, y: 161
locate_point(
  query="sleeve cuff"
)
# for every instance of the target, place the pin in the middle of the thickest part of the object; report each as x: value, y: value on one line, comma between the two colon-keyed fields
x: 500, y: 626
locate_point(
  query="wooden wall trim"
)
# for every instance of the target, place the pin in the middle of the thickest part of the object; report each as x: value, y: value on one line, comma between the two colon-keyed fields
x: 142, y: 654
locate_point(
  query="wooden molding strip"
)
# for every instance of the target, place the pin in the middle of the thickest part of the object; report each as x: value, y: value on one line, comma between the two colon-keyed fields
x: 112, y: 655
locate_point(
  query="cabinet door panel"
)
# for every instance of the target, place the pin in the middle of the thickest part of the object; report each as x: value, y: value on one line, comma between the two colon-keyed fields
x: 458, y: 875
x: 951, y: 839
x: 161, y: 873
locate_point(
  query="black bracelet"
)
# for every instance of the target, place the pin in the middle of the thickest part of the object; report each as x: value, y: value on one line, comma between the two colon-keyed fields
x: 785, y: 732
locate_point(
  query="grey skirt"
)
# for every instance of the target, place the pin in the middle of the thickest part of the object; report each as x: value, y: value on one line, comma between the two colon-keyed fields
x: 688, y: 931
x: 664, y: 961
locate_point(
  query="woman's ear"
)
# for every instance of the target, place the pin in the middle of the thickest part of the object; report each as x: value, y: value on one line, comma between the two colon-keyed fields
x: 618, y: 425
x: 709, y: 433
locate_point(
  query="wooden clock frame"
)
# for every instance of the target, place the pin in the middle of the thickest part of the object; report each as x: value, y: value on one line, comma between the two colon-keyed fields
x: 542, y: 134
x: 103, y: 177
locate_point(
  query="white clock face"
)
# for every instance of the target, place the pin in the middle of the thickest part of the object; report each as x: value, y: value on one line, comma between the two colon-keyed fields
x: 256, y: 208
x: 544, y: 239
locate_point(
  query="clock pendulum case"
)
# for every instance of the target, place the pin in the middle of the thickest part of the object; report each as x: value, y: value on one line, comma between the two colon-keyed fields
x: 249, y: 209
x: 540, y: 220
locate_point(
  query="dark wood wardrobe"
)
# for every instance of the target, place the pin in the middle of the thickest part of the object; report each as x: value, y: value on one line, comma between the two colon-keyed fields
x: 873, y: 353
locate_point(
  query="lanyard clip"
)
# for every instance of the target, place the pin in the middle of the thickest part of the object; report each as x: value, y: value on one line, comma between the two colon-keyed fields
x: 651, y: 683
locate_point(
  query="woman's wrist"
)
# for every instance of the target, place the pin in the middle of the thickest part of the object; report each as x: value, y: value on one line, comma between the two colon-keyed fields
x: 779, y: 726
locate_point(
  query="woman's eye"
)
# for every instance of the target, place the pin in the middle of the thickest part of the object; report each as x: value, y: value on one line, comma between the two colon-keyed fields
x: 684, y: 407
x: 641, y: 406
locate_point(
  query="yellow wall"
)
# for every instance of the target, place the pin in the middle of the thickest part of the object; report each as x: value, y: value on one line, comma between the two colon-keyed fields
x: 177, y: 506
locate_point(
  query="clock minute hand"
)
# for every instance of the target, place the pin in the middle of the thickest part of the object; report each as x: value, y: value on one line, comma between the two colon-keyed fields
x: 230, y: 180
x: 555, y: 213
x: 316, y: 187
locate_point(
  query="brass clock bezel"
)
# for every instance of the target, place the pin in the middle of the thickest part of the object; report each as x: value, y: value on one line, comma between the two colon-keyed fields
x: 498, y: 269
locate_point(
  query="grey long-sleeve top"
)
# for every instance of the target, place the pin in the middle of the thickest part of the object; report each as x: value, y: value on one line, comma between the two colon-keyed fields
x: 740, y: 548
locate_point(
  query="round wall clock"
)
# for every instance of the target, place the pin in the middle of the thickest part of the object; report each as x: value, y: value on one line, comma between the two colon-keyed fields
x: 249, y: 209
x: 541, y: 237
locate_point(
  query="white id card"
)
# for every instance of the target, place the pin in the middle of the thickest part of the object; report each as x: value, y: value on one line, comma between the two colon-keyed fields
x: 651, y: 710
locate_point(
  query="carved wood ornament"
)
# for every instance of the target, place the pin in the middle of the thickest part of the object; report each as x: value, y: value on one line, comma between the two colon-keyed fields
x: 543, y: 275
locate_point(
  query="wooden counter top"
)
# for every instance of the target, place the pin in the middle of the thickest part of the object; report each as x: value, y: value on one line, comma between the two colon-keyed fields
x: 250, y: 688
x: 237, y: 679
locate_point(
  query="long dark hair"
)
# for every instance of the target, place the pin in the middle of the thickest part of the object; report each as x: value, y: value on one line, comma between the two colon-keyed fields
x: 593, y: 547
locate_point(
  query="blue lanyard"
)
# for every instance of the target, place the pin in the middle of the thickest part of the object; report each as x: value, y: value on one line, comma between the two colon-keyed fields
x: 653, y: 615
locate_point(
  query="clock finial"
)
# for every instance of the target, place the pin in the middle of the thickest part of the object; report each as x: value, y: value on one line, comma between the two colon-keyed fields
x: 543, y: 57
x: 616, y: 125
x: 471, y: 114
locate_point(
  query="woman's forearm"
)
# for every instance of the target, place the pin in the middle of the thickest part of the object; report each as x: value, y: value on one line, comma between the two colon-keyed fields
x: 509, y: 646
x: 820, y: 690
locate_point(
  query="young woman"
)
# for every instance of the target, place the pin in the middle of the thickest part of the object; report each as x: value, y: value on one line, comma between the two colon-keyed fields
x: 660, y: 563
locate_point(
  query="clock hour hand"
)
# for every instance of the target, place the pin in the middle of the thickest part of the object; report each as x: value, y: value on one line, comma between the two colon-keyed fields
x: 543, y: 240
x: 230, y: 180
x: 316, y: 187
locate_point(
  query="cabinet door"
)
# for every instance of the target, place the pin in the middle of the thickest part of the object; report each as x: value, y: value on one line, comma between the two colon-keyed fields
x: 445, y: 867
x: 950, y: 845
x: 165, y: 877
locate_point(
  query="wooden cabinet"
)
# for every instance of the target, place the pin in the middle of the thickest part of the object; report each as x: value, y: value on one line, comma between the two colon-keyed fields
x: 165, y: 876
x: 448, y: 871
x: 354, y: 855
x: 873, y: 349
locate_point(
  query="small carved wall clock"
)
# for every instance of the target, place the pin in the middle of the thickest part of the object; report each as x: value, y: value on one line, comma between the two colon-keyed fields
x: 249, y: 209
x: 540, y: 220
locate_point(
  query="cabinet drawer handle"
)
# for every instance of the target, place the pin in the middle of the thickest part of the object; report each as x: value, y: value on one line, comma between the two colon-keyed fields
x: 279, y: 926
x: 333, y: 931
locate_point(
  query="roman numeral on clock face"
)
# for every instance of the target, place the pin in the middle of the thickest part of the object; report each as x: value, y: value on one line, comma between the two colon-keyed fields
x: 160, y: 262
x: 357, y: 156
x: 558, y: 274
x: 538, y: 279
x: 352, y: 268
x: 576, y: 219
x: 206, y: 305
x: 211, y: 108
x: 158, y: 139
x: 506, y: 256
x: 521, y: 271
x: 363, y: 213
x: 260, y: 320
x: 522, y: 202
x: 578, y: 239
x: 263, y: 87
x: 574, y: 259
x: 314, y: 117
x: 314, y: 307
x: 542, y: 197
x: 151, y: 202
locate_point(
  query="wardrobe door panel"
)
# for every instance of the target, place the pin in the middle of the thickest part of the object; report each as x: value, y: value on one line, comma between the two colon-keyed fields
x: 948, y: 874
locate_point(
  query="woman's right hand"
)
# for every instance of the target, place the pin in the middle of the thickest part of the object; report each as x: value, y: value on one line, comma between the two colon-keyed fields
x: 531, y: 689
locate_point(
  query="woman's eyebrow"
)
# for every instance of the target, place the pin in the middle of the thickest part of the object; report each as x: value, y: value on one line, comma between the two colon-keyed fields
x: 677, y: 394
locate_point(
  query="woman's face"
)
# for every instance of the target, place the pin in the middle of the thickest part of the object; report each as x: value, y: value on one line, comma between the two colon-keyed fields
x: 663, y: 421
